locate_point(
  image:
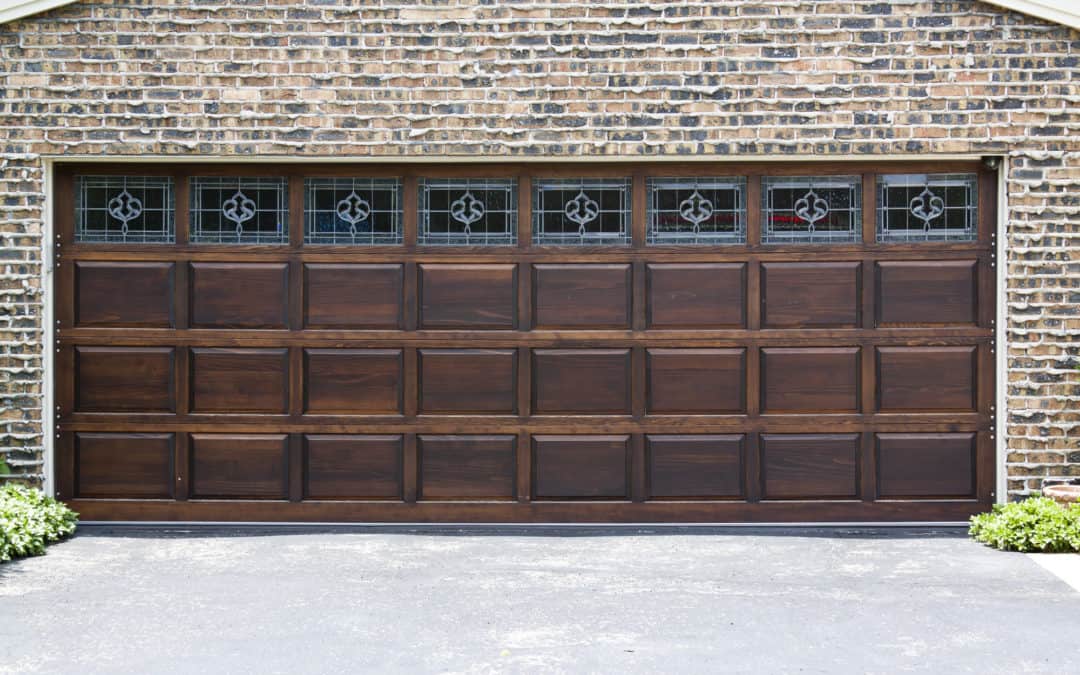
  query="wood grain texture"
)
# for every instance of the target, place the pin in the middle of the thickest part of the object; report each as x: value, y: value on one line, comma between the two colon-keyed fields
x: 468, y: 467
x: 571, y: 467
x: 353, y: 466
x: 353, y: 295
x: 245, y: 466
x: 922, y: 292
x: 926, y: 378
x: 239, y: 380
x: 696, y: 295
x: 124, y: 294
x: 800, y: 466
x: 694, y: 466
x: 468, y: 380
x: 125, y: 379
x: 581, y: 381
x: 810, y: 294
x: 468, y: 296
x: 696, y: 381
x: 239, y: 295
x: 814, y: 379
x: 353, y: 381
x: 926, y: 465
x: 581, y: 296
x: 122, y: 465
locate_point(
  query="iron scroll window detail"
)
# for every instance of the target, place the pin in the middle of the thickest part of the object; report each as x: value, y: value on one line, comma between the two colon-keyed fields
x: 124, y: 209
x: 581, y: 212
x: 468, y: 212
x: 927, y: 207
x: 697, y: 210
x: 239, y: 210
x: 359, y: 211
x: 811, y: 210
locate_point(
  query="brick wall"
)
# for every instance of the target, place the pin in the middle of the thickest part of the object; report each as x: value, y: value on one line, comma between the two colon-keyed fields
x: 563, y: 79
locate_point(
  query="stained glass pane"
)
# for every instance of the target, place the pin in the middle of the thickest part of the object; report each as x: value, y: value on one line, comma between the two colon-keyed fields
x: 927, y: 207
x: 697, y: 210
x: 802, y: 210
x: 244, y: 210
x: 583, y: 212
x: 364, y: 211
x: 124, y: 209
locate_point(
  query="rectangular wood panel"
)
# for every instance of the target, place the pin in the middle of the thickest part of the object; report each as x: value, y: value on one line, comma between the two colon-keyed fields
x: 352, y: 466
x: 124, y: 465
x: 926, y: 378
x: 812, y: 379
x: 581, y: 296
x: 239, y: 295
x: 926, y: 465
x: 810, y: 294
x: 694, y: 466
x: 353, y: 381
x: 239, y: 380
x: 245, y: 466
x: 581, y: 381
x: 468, y: 380
x: 803, y: 466
x: 353, y: 296
x: 125, y: 379
x: 124, y: 294
x: 927, y: 292
x: 468, y: 296
x: 696, y: 381
x: 467, y: 467
x: 696, y: 295
x: 569, y: 467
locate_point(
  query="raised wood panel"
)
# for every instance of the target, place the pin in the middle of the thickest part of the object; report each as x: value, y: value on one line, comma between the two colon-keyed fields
x: 124, y: 294
x: 239, y: 380
x: 926, y: 465
x: 582, y: 381
x: 694, y: 466
x: 353, y: 381
x: 468, y: 380
x: 124, y: 379
x: 696, y: 295
x: 124, y: 465
x: 468, y: 296
x: 926, y: 378
x: 812, y: 379
x: 575, y: 467
x: 249, y: 466
x: 239, y: 295
x: 467, y: 467
x: 696, y: 381
x: 581, y: 296
x: 805, y: 466
x: 353, y: 296
x: 923, y: 292
x: 352, y: 466
x: 810, y: 294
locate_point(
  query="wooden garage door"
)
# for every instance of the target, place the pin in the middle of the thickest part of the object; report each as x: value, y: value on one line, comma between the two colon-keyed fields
x: 483, y: 343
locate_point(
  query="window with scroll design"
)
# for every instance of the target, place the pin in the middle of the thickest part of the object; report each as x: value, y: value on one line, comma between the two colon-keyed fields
x: 124, y: 209
x: 361, y: 211
x: 697, y: 210
x: 811, y: 210
x: 581, y: 211
x: 239, y: 210
x: 468, y: 212
x: 927, y: 207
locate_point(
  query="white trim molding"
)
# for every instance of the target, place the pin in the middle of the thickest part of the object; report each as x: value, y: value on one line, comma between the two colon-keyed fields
x: 12, y: 10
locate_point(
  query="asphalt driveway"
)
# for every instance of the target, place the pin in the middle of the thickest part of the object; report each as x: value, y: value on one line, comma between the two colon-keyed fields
x: 544, y: 601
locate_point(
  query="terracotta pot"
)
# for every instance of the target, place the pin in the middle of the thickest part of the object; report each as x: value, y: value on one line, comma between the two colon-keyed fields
x: 1063, y: 494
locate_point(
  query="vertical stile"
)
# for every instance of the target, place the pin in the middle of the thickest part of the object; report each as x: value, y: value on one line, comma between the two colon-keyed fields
x: 181, y: 466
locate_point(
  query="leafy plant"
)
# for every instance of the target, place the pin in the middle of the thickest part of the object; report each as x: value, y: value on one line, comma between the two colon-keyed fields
x: 29, y: 519
x: 1035, y: 525
x: 5, y: 470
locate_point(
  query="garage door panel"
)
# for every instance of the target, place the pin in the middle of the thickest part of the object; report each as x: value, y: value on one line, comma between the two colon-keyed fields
x: 926, y: 293
x: 467, y: 467
x: 124, y: 465
x: 124, y: 294
x: 125, y: 379
x: 239, y: 380
x: 239, y: 295
x: 576, y: 467
x: 811, y: 295
x: 353, y: 466
x: 353, y: 381
x: 926, y: 378
x: 460, y: 381
x: 805, y: 466
x: 353, y: 296
x: 468, y: 296
x: 696, y: 381
x: 926, y: 465
x: 581, y: 296
x: 581, y: 381
x: 701, y: 295
x: 812, y: 379
x: 239, y: 466
x: 694, y: 466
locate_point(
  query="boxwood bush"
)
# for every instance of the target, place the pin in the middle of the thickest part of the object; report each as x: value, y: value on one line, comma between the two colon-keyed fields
x: 1035, y: 525
x: 29, y: 520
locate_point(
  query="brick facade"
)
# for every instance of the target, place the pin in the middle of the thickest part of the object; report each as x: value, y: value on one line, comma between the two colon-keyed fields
x: 557, y: 79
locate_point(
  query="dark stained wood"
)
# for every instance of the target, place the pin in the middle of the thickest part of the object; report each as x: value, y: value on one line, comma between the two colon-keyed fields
x: 581, y: 296
x: 810, y: 295
x: 124, y: 379
x: 917, y: 292
x: 239, y: 465
x: 467, y: 467
x: 696, y: 380
x: 352, y: 296
x: 124, y: 294
x: 583, y: 381
x: 353, y: 466
x: 239, y: 295
x: 926, y: 465
x: 694, y: 466
x: 569, y: 467
x: 696, y: 295
x: 467, y: 380
x: 800, y: 466
x: 239, y: 380
x: 926, y: 378
x: 129, y: 466
x: 468, y: 296
x: 353, y: 381
x: 813, y: 379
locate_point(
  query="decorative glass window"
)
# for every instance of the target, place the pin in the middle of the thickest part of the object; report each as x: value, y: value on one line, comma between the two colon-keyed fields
x: 584, y: 212
x: 245, y: 210
x: 352, y: 211
x: 927, y: 207
x: 824, y: 209
x: 697, y: 210
x: 468, y: 211
x: 124, y: 209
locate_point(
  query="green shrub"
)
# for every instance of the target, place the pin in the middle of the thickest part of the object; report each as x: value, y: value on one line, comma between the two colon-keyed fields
x: 29, y: 520
x: 1035, y: 525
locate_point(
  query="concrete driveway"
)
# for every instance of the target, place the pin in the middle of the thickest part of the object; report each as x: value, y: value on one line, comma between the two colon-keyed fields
x: 544, y: 601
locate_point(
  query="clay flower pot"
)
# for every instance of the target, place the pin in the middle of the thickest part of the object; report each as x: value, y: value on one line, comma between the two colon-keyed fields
x: 1063, y: 494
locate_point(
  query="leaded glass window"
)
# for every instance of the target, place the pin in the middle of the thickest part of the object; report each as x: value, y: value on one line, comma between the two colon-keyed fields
x: 239, y: 210
x: 581, y: 211
x: 124, y: 209
x: 468, y: 211
x: 364, y: 211
x: 927, y: 207
x: 697, y: 210
x: 813, y: 210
